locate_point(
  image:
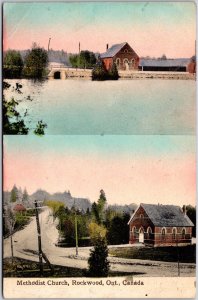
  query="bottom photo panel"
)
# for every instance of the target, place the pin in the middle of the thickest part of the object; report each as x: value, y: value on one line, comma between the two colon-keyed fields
x: 99, y: 216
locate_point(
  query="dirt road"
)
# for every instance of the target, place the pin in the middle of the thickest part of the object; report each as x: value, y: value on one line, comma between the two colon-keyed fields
x: 25, y: 241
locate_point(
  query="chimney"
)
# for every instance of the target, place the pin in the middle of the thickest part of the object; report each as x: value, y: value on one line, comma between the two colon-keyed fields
x: 184, y: 209
x: 107, y: 47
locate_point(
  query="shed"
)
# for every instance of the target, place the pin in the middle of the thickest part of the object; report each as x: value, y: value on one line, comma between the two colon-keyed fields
x: 19, y: 208
x: 176, y: 65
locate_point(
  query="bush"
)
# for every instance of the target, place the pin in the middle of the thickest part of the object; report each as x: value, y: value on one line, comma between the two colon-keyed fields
x: 100, y: 73
x: 113, y: 72
x: 98, y: 263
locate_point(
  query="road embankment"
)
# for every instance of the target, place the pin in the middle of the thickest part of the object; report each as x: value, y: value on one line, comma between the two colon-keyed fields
x: 69, y: 73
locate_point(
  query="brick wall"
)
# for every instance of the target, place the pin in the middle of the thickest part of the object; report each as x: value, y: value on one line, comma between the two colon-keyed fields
x: 141, y: 220
x: 169, y: 239
x: 127, y: 54
x: 191, y: 67
x: 155, y: 236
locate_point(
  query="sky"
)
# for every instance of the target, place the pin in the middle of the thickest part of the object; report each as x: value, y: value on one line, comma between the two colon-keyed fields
x: 130, y: 169
x: 151, y: 28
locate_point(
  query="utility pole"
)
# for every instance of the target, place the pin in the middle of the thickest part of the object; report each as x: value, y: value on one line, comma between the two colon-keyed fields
x: 178, y: 265
x: 11, y: 241
x: 11, y: 222
x: 76, y: 229
x: 39, y: 238
x: 49, y: 44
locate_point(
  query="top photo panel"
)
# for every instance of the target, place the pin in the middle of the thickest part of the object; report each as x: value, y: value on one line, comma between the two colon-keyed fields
x: 104, y: 68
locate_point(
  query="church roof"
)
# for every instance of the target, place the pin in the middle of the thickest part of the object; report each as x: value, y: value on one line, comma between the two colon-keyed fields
x: 177, y: 62
x: 111, y: 52
x: 166, y: 215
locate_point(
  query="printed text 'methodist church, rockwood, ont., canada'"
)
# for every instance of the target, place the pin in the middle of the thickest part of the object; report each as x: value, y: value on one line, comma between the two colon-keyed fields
x: 160, y: 225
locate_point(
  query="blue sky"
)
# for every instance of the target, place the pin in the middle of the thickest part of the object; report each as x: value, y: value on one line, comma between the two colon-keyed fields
x: 150, y: 27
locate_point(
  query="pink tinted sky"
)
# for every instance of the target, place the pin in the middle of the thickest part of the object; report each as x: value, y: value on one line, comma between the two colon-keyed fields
x: 127, y: 175
x: 151, y: 28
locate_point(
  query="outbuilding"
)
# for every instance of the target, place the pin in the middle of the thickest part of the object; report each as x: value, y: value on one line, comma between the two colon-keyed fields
x: 161, y: 65
x: 160, y: 225
x: 19, y: 208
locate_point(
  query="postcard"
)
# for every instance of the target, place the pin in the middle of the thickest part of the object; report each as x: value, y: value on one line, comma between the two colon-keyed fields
x: 99, y: 143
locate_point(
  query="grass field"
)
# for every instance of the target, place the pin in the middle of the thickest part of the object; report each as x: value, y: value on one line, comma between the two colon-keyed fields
x: 22, y: 268
x: 186, y: 254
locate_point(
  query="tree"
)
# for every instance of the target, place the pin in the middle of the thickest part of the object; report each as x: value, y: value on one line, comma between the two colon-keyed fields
x: 113, y: 72
x: 13, y: 122
x: 99, y: 72
x: 101, y: 206
x: 98, y: 209
x: 98, y: 263
x: 96, y: 232
x: 36, y: 62
x: 118, y: 232
x: 95, y: 213
x: 40, y: 128
x: 12, y: 64
x: 25, y: 196
x: 85, y: 59
x: 163, y: 57
x: 14, y: 194
x: 55, y: 207
x: 191, y: 213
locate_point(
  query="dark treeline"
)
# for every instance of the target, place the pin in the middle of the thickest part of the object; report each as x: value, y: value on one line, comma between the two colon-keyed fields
x: 33, y: 65
x: 98, y: 221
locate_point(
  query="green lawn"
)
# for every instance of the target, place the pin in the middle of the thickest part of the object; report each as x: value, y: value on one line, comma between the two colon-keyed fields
x: 186, y: 254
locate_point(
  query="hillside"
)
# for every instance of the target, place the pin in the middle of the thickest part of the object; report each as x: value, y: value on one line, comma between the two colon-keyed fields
x: 67, y: 199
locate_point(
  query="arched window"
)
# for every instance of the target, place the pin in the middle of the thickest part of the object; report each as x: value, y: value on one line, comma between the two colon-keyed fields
x: 126, y: 61
x: 126, y: 50
x: 183, y: 233
x: 118, y: 62
x: 174, y: 233
x: 163, y: 233
x: 134, y: 231
x: 133, y: 63
x: 141, y: 217
x: 149, y: 232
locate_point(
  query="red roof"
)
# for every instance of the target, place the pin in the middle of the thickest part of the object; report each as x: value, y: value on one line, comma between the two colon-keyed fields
x: 19, y: 207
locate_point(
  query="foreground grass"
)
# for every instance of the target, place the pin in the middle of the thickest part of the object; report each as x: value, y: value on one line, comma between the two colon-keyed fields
x: 186, y: 254
x: 23, y: 268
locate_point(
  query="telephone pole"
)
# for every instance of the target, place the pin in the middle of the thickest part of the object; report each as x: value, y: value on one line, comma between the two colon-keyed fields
x: 49, y: 44
x: 76, y: 229
x: 39, y: 238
